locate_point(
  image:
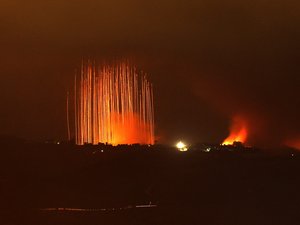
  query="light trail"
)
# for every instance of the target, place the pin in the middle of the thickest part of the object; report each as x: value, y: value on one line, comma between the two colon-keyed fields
x: 113, y: 104
x: 68, y: 209
x: 68, y: 120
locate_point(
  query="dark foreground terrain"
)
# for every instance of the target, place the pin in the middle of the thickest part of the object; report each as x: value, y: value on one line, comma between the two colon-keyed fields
x: 228, y: 188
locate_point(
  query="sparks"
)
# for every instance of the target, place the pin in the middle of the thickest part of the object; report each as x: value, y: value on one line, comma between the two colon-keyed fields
x: 113, y: 104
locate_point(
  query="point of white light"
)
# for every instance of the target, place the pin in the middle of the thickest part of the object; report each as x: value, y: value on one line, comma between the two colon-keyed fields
x: 181, y: 146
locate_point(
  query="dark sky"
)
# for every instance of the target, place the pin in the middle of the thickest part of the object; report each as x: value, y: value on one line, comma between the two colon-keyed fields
x: 208, y: 60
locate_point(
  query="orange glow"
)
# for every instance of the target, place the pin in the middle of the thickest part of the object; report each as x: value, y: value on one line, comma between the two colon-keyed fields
x: 113, y: 104
x: 238, y: 131
x: 293, y: 143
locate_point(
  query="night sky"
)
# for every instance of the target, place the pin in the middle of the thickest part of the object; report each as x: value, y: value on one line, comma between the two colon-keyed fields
x: 208, y: 61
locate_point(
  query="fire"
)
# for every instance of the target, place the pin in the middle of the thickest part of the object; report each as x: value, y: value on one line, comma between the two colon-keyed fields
x: 113, y: 104
x: 238, y: 131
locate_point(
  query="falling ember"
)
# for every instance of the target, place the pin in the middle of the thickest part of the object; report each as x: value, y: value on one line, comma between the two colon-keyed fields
x: 113, y: 104
x: 238, y: 131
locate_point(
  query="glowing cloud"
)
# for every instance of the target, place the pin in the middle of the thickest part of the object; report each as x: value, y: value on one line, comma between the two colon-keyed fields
x: 293, y: 142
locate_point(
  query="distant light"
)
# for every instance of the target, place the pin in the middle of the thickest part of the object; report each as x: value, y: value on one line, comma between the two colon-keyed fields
x: 207, y: 149
x: 181, y: 146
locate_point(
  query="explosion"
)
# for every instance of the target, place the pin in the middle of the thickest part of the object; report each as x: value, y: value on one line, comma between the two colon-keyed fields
x: 238, y: 131
x: 113, y: 104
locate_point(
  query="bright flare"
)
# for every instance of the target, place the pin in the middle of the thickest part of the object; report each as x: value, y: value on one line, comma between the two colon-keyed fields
x: 181, y: 146
x: 113, y: 104
x: 238, y: 131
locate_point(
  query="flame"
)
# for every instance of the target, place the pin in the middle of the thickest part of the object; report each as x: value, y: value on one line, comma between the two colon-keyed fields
x: 238, y: 131
x: 113, y: 104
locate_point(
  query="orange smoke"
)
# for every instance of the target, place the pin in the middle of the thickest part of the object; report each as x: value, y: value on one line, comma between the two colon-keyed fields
x: 129, y: 131
x: 238, y: 131
x: 293, y: 143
